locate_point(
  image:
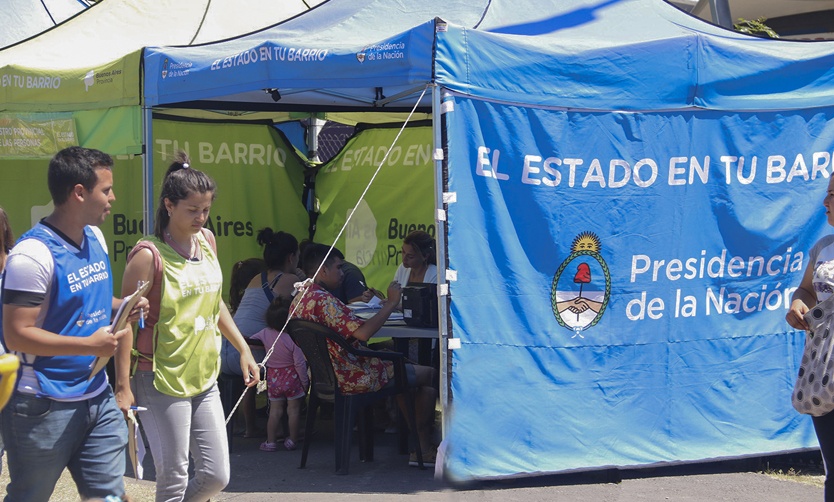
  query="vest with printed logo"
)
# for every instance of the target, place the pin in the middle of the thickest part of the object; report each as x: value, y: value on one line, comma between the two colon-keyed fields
x: 79, y: 303
x: 186, y: 337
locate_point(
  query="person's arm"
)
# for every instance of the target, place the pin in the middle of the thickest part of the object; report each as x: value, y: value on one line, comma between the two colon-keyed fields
x: 22, y: 335
x: 248, y: 366
x: 141, y: 305
x: 372, y: 325
x: 140, y: 267
x: 801, y: 299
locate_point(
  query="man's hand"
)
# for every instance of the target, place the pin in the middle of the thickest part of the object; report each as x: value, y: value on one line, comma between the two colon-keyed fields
x: 102, y: 343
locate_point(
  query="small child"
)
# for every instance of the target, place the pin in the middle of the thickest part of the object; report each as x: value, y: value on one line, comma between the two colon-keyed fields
x: 286, y: 376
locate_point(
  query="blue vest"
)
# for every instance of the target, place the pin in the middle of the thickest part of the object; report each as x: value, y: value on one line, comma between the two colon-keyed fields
x: 79, y: 303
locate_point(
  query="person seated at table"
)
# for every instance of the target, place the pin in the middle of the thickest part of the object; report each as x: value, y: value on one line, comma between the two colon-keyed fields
x: 419, y: 261
x: 353, y: 288
x: 358, y: 374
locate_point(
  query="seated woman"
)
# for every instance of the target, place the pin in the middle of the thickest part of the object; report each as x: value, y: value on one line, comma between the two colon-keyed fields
x: 419, y: 262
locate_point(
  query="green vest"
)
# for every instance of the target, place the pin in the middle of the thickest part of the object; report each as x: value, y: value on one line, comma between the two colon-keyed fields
x: 186, y: 337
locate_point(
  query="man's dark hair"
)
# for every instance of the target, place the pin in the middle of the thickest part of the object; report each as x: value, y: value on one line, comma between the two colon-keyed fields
x: 73, y: 166
x: 314, y: 256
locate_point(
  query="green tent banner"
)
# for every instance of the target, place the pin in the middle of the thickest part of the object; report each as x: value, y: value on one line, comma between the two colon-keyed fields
x: 400, y: 200
x: 35, y: 136
x: 259, y: 178
x: 259, y: 181
x: 116, y: 130
x: 33, y: 89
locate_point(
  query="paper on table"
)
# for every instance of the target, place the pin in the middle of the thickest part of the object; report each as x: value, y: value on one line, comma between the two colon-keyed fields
x: 374, y: 303
x: 395, y: 316
x: 120, y: 322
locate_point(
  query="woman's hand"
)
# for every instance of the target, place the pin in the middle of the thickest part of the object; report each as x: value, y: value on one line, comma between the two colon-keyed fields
x: 250, y: 369
x: 300, y: 274
x: 125, y: 399
x: 395, y: 291
x: 141, y: 309
x: 796, y: 315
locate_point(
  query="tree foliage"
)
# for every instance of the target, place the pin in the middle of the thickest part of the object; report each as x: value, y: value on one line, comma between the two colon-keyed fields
x: 755, y: 27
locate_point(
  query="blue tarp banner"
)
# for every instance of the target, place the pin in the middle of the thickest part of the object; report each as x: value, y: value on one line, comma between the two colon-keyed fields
x: 269, y: 61
x: 640, y: 267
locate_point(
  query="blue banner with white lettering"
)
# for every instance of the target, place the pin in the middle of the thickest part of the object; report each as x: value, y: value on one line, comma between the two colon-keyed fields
x: 640, y: 266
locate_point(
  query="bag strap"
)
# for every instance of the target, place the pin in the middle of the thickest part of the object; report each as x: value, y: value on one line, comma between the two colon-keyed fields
x: 157, y: 280
x: 267, y: 286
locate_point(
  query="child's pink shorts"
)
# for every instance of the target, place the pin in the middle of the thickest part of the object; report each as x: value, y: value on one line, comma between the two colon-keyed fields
x: 283, y: 383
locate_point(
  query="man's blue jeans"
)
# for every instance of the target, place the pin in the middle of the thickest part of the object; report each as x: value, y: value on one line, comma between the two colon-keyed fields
x: 43, y: 436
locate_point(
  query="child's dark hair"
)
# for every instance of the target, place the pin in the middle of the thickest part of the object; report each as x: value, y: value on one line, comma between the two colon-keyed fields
x: 277, y: 313
x: 243, y: 272
x: 278, y: 246
x: 180, y: 182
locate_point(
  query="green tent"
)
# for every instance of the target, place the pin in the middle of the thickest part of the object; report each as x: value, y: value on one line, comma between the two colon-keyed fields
x: 80, y: 83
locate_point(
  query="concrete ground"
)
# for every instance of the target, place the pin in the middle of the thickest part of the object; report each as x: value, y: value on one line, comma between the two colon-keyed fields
x: 262, y: 476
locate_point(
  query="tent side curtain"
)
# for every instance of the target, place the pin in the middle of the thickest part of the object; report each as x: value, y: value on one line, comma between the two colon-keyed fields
x: 620, y: 294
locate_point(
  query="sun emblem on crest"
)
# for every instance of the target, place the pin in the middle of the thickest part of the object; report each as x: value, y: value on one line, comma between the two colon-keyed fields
x: 586, y: 241
x: 581, y: 286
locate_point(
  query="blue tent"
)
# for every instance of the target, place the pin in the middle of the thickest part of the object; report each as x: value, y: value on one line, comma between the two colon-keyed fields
x: 626, y: 198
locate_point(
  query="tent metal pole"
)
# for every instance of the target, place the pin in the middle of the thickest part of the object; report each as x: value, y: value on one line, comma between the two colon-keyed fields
x: 720, y: 10
x: 440, y: 236
x: 147, y: 170
x: 399, y: 96
x: 316, y: 125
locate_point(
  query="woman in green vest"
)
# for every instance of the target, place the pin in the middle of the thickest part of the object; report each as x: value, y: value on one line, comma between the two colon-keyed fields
x: 174, y: 361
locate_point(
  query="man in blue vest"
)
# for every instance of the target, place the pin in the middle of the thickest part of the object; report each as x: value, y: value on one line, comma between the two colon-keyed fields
x: 57, y: 302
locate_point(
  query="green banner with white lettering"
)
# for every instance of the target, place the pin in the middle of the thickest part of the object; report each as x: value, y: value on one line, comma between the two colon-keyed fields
x: 34, y: 89
x: 401, y: 198
x: 35, y: 136
x: 259, y: 178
